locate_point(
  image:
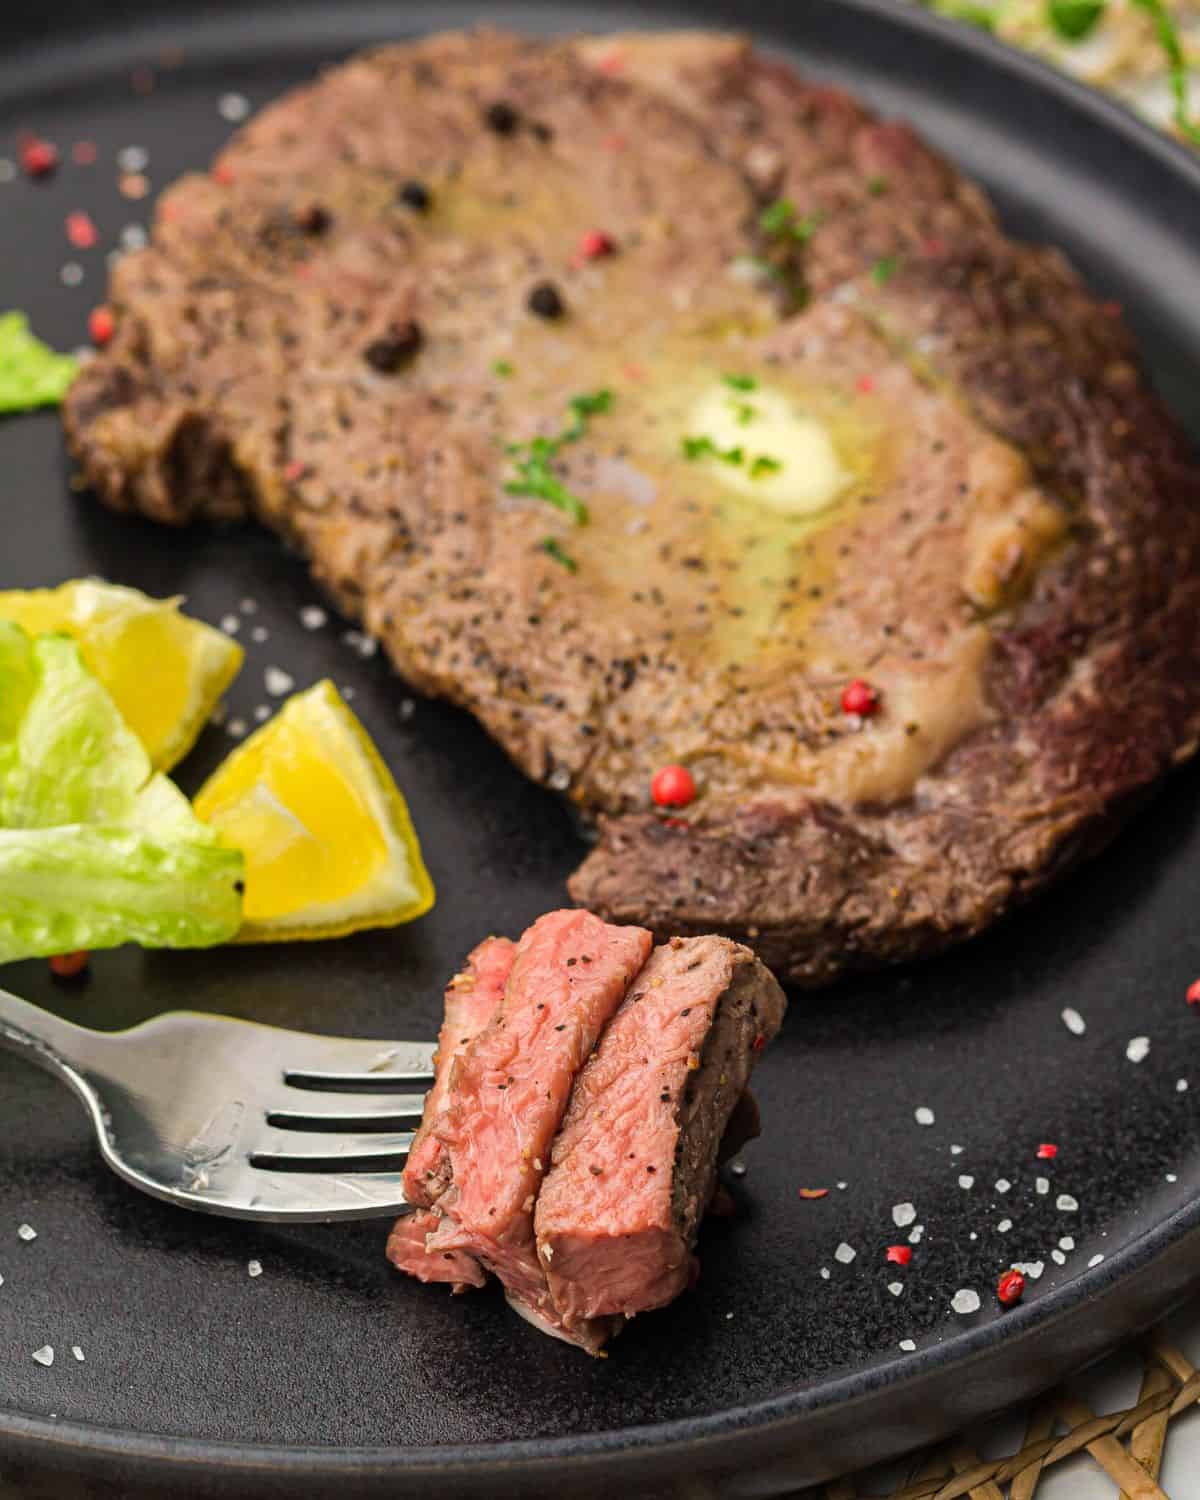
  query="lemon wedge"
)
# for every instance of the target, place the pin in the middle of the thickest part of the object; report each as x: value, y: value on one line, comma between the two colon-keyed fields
x: 326, y: 834
x: 164, y: 671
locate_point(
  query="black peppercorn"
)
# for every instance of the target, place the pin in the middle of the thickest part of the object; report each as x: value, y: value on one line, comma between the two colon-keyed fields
x: 546, y: 301
x: 541, y: 131
x: 415, y: 195
x: 501, y: 117
x: 314, y: 219
x: 395, y: 349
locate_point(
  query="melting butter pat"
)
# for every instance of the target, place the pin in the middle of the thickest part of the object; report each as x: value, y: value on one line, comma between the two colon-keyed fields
x: 797, y: 472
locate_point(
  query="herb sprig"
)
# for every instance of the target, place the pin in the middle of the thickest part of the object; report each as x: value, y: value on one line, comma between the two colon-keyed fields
x: 534, y: 475
x: 760, y: 465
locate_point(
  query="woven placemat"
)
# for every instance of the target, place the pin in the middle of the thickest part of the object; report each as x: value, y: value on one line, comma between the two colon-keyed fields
x: 1128, y: 1446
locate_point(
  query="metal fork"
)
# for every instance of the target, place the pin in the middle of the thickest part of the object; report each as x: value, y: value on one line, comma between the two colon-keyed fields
x: 230, y: 1117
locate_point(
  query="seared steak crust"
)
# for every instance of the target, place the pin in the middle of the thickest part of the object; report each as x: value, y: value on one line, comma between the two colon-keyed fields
x: 266, y: 363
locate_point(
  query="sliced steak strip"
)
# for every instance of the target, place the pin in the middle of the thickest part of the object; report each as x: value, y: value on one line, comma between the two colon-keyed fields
x: 407, y: 1249
x: 510, y: 1088
x: 635, y: 1163
x: 472, y: 997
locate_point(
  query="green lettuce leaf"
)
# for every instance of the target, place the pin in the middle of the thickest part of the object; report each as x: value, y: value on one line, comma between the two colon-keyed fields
x: 76, y: 760
x: 95, y: 850
x: 31, y: 373
x: 62, y: 889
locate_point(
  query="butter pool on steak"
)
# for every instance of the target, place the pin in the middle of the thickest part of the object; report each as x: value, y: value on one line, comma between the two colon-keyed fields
x: 1007, y: 545
x: 586, y: 1089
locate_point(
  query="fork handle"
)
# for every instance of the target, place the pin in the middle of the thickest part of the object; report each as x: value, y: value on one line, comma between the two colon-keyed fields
x: 56, y: 1045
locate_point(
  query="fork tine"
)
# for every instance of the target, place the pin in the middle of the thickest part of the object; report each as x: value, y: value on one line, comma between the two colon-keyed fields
x: 320, y: 1197
x: 303, y: 1147
x: 332, y: 1061
x: 391, y: 1107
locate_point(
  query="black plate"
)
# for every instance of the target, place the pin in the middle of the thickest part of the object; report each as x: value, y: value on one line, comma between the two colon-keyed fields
x: 329, y: 1372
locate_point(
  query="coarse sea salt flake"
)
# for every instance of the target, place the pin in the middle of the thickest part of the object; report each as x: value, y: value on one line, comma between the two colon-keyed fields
x: 1066, y: 1243
x: 1138, y: 1049
x: 1073, y: 1021
x: 236, y: 728
x: 278, y: 682
x: 908, y: 1345
x: 230, y: 624
x: 923, y: 1115
x: 134, y: 237
x: 1058, y: 1257
x: 895, y: 1287
x: 44, y: 1355
x: 8, y: 170
x: 966, y: 1181
x: 1004, y: 1226
x: 1042, y: 1184
x: 77, y: 1352
x: 916, y: 1234
x: 1066, y: 1204
x: 1031, y: 1268
x: 260, y: 635
x: 1171, y: 1177
x: 845, y: 1253
x: 965, y: 1301
x: 956, y: 1150
x: 254, y: 1268
x: 1181, y: 1086
x: 1096, y: 1259
x: 903, y: 1214
x: 26, y: 1232
x: 262, y: 713
x: 233, y: 107
x: 1002, y: 1184
x: 824, y: 1273
x: 133, y: 158
x: 313, y: 617
x: 71, y: 273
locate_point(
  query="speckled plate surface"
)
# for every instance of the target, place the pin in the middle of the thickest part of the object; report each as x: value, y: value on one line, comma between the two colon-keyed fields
x: 802, y: 1352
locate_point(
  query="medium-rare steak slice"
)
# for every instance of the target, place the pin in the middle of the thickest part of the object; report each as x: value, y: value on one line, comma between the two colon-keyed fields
x: 509, y: 1089
x: 642, y: 399
x: 635, y: 1162
x: 472, y: 997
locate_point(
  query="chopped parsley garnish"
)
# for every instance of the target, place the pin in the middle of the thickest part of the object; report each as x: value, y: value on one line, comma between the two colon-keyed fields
x: 1073, y: 19
x: 884, y: 269
x: 877, y: 186
x: 552, y: 547
x: 744, y: 413
x: 533, y: 462
x: 781, y: 220
x: 740, y: 382
x: 31, y: 373
x: 704, y: 447
x: 502, y: 368
x: 589, y: 404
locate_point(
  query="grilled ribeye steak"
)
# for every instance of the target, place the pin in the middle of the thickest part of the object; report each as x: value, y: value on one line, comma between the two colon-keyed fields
x: 822, y: 419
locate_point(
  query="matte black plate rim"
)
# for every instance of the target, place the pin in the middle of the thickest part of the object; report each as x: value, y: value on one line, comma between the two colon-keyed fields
x: 736, y: 1435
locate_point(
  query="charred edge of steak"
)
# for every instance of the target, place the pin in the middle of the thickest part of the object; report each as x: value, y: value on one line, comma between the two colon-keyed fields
x: 746, y: 1018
